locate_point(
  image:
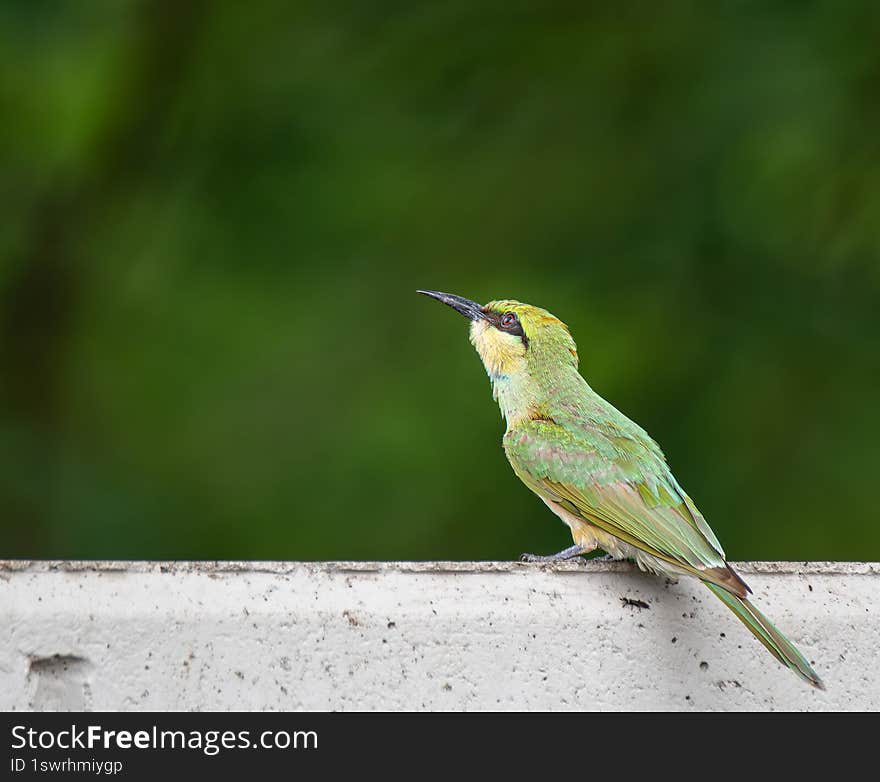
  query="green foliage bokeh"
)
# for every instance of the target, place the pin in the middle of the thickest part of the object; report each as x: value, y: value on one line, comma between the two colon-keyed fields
x: 216, y: 216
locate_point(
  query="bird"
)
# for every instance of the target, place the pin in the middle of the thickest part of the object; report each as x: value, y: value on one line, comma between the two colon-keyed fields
x: 597, y: 470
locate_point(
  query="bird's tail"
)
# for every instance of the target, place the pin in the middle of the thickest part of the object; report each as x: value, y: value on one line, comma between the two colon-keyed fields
x: 762, y: 628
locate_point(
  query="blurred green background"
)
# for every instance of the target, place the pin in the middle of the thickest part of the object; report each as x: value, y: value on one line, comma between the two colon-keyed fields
x: 216, y: 216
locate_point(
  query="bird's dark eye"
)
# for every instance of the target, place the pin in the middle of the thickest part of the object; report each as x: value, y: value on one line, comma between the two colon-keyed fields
x: 508, y: 320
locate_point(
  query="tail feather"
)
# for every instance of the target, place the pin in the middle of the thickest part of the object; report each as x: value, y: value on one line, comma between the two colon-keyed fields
x: 762, y: 628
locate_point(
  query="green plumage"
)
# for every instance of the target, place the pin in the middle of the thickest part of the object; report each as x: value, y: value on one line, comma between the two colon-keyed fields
x: 594, y: 467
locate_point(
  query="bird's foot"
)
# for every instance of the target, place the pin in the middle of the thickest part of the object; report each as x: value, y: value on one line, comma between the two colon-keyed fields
x: 569, y: 553
x: 536, y: 558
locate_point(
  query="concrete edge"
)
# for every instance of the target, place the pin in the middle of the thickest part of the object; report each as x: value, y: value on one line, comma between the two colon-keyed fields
x: 217, y: 567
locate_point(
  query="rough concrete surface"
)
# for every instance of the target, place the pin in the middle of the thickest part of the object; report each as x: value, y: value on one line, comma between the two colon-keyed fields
x: 430, y: 635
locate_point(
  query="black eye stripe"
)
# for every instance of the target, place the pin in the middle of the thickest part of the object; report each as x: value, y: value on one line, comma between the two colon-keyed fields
x: 509, y: 323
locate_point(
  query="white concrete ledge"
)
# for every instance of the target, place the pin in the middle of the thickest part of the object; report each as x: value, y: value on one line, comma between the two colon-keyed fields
x: 425, y: 635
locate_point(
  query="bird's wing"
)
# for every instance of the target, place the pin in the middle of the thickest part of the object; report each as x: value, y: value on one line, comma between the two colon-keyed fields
x: 620, y: 483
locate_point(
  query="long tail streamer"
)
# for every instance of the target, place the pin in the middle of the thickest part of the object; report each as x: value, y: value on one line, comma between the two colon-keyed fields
x: 762, y: 628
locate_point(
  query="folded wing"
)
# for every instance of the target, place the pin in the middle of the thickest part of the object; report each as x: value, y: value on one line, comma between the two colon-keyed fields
x: 619, y: 481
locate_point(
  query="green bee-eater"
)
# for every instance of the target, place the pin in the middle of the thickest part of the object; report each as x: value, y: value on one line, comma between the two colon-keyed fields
x: 598, y: 471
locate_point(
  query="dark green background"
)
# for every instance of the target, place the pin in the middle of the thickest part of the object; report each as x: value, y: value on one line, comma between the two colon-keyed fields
x: 215, y: 216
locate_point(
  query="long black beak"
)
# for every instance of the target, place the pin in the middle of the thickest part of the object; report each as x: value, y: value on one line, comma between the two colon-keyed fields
x: 470, y: 309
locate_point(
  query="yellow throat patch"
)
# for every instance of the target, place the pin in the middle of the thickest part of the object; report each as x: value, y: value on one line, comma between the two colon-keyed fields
x: 502, y: 354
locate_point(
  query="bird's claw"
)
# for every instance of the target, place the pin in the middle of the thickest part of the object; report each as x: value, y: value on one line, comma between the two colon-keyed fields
x: 572, y: 552
x: 534, y: 558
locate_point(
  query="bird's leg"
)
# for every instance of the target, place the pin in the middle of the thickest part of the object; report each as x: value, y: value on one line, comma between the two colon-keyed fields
x: 569, y: 553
